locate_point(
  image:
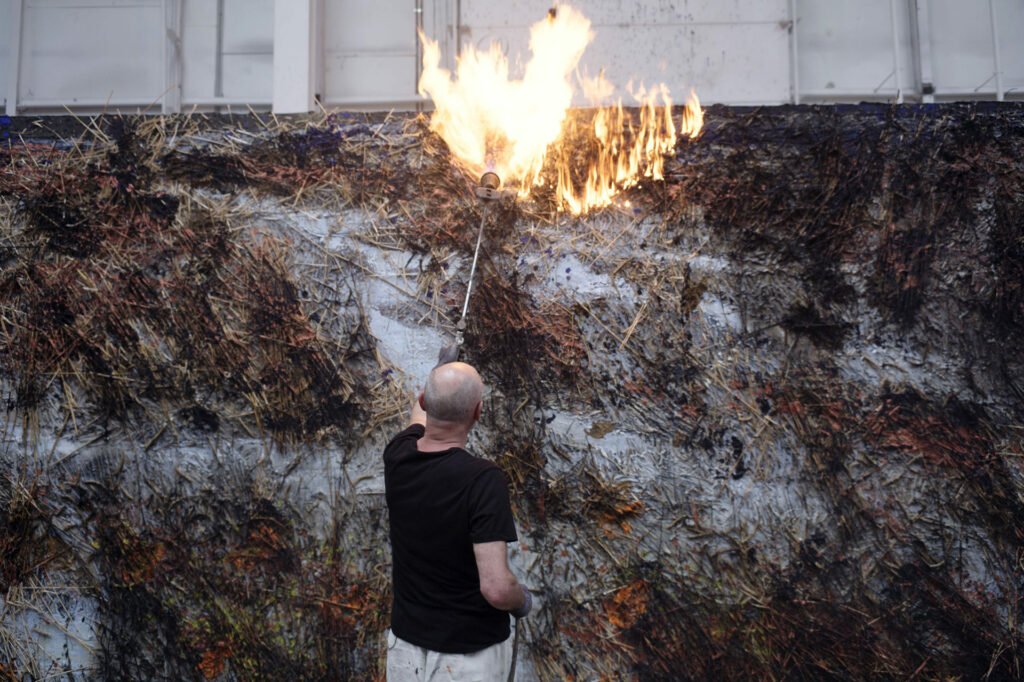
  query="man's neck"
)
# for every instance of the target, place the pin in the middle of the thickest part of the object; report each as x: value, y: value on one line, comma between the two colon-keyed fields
x: 440, y: 435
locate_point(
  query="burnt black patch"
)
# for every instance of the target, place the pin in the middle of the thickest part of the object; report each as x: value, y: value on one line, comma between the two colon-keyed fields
x: 825, y: 331
x: 66, y: 225
x: 200, y: 418
x: 203, y: 169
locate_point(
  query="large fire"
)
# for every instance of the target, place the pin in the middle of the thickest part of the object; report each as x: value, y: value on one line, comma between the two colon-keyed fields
x: 494, y: 123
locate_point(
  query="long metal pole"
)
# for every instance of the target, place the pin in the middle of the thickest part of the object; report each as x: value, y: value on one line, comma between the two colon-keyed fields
x: 14, y: 61
x: 515, y: 652
x: 896, y: 52
x: 995, y: 50
x: 476, y: 254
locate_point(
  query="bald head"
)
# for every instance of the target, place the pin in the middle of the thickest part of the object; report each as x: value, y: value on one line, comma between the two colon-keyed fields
x: 452, y: 393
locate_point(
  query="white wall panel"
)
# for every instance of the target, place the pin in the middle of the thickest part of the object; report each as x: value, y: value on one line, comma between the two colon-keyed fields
x: 6, y: 17
x: 248, y: 57
x: 735, y: 63
x: 1011, y: 42
x: 741, y: 64
x: 732, y: 51
x: 1010, y: 14
x: 89, y: 50
x: 735, y: 52
x: 848, y: 47
x: 962, y: 52
x: 617, y: 12
x: 247, y: 51
x: 199, y: 44
x: 962, y: 44
x: 370, y: 48
x: 753, y: 70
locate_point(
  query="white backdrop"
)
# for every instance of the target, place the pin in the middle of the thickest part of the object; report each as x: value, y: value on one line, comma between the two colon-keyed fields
x: 177, y: 54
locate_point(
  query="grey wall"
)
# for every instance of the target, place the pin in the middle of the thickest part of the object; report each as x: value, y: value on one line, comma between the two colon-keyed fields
x: 84, y: 53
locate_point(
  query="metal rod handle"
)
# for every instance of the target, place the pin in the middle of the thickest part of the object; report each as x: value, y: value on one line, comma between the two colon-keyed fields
x: 476, y: 254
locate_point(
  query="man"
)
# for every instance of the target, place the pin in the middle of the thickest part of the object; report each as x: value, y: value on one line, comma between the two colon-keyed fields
x: 450, y: 522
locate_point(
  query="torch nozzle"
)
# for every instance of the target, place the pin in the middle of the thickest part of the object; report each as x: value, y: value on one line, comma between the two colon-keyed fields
x: 490, y: 179
x: 488, y: 187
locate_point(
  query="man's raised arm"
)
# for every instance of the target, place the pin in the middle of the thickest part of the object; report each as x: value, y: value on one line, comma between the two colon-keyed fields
x: 417, y: 415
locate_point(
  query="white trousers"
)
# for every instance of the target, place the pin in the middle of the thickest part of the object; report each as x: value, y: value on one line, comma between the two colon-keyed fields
x: 410, y: 663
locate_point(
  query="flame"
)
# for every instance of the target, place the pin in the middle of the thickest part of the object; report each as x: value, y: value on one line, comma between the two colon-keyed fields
x: 493, y: 123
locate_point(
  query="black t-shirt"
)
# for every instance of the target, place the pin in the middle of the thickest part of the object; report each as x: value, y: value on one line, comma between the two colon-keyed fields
x: 440, y: 503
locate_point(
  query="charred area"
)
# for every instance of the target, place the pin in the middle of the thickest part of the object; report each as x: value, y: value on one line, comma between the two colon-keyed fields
x: 139, y: 298
x: 764, y: 420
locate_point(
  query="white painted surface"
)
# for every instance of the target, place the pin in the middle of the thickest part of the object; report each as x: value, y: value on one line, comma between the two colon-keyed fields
x: 199, y: 40
x: 616, y: 12
x: 247, y: 51
x: 846, y: 49
x: 293, y: 56
x: 78, y: 52
x: 962, y: 44
x: 369, y: 49
x: 849, y: 47
x: 246, y: 61
x: 967, y: 68
x: 248, y: 56
x: 735, y: 52
x: 6, y: 33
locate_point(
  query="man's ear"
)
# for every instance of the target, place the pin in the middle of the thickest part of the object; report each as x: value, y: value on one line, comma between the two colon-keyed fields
x: 476, y: 411
x: 420, y: 401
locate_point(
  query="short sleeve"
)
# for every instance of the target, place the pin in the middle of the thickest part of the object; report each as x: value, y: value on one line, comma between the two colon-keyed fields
x: 490, y: 514
x: 413, y: 431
